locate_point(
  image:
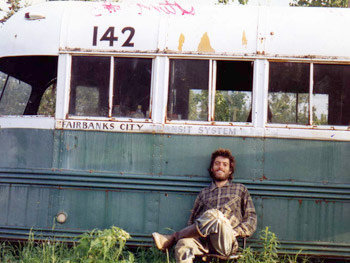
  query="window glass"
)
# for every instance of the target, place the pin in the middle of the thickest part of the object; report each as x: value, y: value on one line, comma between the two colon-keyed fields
x: 14, y: 97
x: 132, y: 87
x: 331, y: 95
x: 188, y: 90
x: 288, y: 93
x: 89, y: 86
x: 47, y: 105
x: 233, y: 95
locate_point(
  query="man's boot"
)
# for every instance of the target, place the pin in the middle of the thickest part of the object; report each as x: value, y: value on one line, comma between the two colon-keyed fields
x: 164, y: 242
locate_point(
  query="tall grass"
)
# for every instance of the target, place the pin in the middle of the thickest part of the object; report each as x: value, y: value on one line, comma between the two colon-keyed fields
x: 107, y: 246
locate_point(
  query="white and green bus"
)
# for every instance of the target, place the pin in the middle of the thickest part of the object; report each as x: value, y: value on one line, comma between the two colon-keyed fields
x: 109, y: 113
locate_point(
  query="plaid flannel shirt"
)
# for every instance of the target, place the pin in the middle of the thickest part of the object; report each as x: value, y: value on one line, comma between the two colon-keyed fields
x: 233, y: 200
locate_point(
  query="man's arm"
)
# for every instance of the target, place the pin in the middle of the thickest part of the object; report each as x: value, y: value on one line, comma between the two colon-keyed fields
x: 249, y: 221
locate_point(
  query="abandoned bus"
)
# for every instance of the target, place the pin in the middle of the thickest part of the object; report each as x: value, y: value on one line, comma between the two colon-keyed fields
x: 109, y: 113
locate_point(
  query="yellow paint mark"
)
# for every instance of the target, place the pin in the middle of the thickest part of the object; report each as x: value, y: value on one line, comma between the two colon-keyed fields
x: 244, y: 39
x: 181, y: 42
x: 204, y: 45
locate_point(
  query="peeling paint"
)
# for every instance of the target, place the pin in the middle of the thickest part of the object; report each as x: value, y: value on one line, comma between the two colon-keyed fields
x: 244, y: 39
x: 263, y: 178
x: 181, y: 42
x: 204, y: 45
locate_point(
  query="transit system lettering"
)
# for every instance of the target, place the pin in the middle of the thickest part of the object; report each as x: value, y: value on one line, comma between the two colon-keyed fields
x: 109, y: 35
x: 147, y: 127
x: 216, y: 131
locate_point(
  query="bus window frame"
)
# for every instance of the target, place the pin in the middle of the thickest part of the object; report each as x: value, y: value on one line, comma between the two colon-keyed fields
x: 212, y: 93
x: 309, y: 126
x: 110, y: 88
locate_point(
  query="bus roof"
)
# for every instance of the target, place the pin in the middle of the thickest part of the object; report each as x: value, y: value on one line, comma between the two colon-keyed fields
x: 175, y: 27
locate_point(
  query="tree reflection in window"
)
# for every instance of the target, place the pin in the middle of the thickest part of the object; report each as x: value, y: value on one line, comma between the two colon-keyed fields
x: 289, y: 98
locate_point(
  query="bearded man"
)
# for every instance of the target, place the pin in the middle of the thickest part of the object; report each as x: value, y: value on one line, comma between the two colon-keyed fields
x: 222, y: 212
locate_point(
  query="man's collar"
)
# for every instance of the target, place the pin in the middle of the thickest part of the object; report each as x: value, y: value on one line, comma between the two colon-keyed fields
x: 213, y: 185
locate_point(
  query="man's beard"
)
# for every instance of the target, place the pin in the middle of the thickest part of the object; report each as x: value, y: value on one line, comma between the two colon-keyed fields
x: 220, y: 178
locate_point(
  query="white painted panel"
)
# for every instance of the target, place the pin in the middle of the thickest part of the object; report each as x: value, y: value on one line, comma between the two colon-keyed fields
x: 20, y: 36
x: 299, y: 32
x: 34, y: 122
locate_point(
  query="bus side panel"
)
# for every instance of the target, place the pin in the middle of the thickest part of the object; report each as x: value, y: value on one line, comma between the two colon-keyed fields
x: 148, y: 182
x: 307, y: 161
x: 26, y: 148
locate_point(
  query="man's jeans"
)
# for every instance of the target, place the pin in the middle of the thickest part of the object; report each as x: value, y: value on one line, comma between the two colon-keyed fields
x: 217, y: 236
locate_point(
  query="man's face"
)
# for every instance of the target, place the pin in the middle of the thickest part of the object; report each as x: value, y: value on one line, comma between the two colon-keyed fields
x: 221, y: 168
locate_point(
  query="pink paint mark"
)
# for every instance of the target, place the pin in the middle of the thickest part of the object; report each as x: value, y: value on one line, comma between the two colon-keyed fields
x: 166, y: 8
x: 185, y: 12
x: 111, y: 8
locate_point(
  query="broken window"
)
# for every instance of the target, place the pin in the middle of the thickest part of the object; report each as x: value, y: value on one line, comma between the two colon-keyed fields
x: 233, y: 97
x: 23, y: 81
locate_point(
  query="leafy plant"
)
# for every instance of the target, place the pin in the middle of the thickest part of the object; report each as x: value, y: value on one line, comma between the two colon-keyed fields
x: 103, y: 246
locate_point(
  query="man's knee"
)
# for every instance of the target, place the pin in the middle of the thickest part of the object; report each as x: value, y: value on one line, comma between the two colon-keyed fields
x: 212, y: 221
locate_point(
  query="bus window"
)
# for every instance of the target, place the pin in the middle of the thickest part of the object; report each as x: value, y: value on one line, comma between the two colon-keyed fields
x: 89, y: 86
x: 233, y: 97
x: 132, y: 87
x: 188, y: 90
x: 23, y: 81
x: 331, y: 95
x: 14, y: 96
x: 288, y: 97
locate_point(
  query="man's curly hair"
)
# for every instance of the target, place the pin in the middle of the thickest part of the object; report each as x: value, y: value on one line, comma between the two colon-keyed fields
x: 226, y: 154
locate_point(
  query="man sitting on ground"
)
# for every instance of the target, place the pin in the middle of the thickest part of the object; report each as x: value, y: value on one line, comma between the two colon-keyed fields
x: 222, y: 211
